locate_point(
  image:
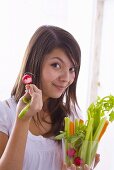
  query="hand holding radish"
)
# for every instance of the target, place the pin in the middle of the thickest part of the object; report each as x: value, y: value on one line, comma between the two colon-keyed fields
x: 31, y: 102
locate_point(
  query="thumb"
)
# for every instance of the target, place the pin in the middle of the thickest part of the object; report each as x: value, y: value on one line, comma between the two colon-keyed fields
x: 26, y: 97
x: 64, y: 166
x: 86, y: 167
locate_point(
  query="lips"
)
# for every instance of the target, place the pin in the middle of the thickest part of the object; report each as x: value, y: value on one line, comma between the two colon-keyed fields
x: 60, y: 87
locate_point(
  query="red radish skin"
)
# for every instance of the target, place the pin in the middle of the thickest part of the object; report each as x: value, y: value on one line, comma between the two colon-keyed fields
x: 78, y: 161
x: 27, y: 79
x: 71, y: 152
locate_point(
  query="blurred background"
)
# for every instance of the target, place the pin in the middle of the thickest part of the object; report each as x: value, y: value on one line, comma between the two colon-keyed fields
x: 92, y: 24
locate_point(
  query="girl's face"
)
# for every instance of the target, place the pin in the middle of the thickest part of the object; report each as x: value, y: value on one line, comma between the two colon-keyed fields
x: 58, y: 72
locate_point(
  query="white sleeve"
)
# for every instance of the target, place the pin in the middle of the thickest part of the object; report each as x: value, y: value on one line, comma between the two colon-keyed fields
x: 4, y: 120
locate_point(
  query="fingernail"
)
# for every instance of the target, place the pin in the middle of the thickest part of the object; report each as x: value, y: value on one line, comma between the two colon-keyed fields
x: 27, y: 86
x: 86, y: 166
x: 72, y: 166
x: 98, y: 155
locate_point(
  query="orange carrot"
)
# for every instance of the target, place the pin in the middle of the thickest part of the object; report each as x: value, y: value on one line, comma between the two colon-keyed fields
x: 71, y: 128
x: 103, y: 130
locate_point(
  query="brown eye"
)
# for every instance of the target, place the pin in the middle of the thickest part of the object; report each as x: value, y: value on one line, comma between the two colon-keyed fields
x: 55, y: 65
x: 72, y: 69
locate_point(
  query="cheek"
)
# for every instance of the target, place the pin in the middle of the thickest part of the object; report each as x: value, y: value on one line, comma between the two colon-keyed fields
x: 48, y: 76
x: 74, y: 75
x: 72, y: 78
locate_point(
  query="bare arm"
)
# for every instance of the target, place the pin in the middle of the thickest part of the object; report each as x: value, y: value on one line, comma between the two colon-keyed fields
x: 14, y: 152
x: 3, y: 142
x: 13, y: 155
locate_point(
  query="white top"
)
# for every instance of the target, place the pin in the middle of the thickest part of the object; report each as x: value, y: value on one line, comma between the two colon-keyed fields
x: 40, y: 153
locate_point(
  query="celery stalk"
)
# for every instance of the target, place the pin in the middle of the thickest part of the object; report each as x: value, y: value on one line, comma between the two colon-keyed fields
x: 84, y: 147
x: 99, y: 129
x: 76, y: 124
x: 67, y: 126
x: 24, y: 111
x: 67, y: 130
x: 89, y: 151
x: 89, y: 128
x: 88, y: 154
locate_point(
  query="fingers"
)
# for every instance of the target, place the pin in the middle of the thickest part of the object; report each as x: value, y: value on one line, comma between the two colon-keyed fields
x: 72, y: 167
x: 30, y: 91
x: 97, y: 159
x: 86, y: 167
x: 31, y: 88
x: 64, y: 167
x: 26, y: 98
x: 30, y: 103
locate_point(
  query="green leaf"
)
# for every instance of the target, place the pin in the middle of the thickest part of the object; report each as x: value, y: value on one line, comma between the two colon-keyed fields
x: 111, y: 116
x: 59, y: 137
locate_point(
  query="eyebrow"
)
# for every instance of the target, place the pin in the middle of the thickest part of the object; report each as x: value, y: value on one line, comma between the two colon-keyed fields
x: 74, y: 65
x: 57, y: 59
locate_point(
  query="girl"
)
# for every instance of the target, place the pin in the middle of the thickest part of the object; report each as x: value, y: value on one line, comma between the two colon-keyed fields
x: 53, y: 58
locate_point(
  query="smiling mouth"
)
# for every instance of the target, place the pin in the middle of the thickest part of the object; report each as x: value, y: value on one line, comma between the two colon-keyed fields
x: 60, y: 87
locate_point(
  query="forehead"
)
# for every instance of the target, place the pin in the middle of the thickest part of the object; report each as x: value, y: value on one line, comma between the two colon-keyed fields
x: 59, y: 54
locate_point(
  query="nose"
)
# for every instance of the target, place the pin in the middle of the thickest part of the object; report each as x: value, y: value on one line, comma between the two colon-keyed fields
x: 64, y: 76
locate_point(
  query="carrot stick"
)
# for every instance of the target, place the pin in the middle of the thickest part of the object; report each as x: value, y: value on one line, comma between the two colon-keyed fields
x: 103, y: 130
x: 71, y: 128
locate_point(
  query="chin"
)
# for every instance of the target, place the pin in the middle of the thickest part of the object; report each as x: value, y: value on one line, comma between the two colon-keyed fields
x: 56, y: 96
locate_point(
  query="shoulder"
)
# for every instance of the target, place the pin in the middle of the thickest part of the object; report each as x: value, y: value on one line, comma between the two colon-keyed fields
x: 7, y: 115
x: 8, y: 105
x: 76, y: 113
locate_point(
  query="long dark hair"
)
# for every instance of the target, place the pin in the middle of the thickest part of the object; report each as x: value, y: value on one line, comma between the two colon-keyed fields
x: 45, y: 39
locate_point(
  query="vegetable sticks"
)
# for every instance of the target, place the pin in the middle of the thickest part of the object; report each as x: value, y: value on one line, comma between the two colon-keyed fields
x: 99, y: 129
x: 67, y: 125
x: 103, y: 130
x: 71, y: 128
x: 83, y: 137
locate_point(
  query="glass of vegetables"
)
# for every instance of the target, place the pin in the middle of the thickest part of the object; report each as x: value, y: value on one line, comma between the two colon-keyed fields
x: 80, y: 139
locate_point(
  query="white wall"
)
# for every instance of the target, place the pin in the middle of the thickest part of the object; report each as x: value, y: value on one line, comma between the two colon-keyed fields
x: 20, y: 18
x: 106, y: 80
x: 19, y: 21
